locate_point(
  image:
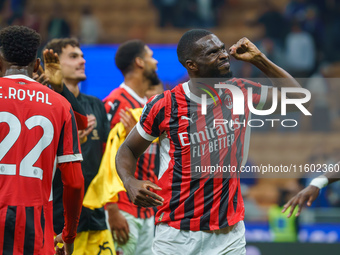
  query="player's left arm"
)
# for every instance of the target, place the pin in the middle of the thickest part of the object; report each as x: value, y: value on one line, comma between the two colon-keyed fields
x: 126, y: 160
x: 246, y: 51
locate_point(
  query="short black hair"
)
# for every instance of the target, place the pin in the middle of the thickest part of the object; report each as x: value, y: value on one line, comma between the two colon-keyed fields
x: 19, y: 44
x: 127, y: 53
x: 58, y: 44
x: 186, y: 45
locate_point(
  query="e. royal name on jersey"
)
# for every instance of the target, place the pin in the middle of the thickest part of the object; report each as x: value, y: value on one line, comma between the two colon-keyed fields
x: 21, y: 95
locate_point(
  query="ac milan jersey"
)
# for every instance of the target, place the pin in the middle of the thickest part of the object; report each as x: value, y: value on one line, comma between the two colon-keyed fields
x: 147, y: 168
x: 37, y: 130
x: 118, y: 99
x: 121, y: 98
x: 198, y: 200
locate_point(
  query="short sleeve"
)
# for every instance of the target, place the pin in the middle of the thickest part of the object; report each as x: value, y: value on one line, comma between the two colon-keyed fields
x: 69, y: 146
x: 151, y: 123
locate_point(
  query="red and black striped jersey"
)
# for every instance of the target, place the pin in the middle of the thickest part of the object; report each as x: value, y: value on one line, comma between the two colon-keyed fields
x: 147, y: 167
x: 194, y: 198
x: 37, y: 130
x: 120, y: 98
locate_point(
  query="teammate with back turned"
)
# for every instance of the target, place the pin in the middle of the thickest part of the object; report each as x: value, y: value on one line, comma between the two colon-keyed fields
x: 37, y: 131
x: 198, y: 214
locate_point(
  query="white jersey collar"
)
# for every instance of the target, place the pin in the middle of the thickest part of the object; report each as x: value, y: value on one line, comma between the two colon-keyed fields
x: 196, y: 98
x: 134, y: 94
x: 19, y: 76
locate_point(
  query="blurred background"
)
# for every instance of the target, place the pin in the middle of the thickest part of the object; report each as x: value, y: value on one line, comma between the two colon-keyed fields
x: 302, y: 36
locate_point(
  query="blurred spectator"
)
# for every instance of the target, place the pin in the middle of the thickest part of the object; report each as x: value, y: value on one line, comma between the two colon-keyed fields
x: 300, y: 52
x: 189, y: 16
x: 275, y: 25
x: 320, y: 106
x: 17, y: 9
x: 90, y: 28
x: 332, y: 35
x: 2, y: 3
x: 283, y: 229
x: 167, y: 12
x: 209, y: 12
x: 28, y: 19
x: 205, y: 13
x: 57, y: 26
x: 296, y: 10
x: 313, y: 25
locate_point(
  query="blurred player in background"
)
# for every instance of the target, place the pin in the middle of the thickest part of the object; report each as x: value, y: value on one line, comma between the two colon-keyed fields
x: 37, y: 129
x: 135, y: 60
x: 204, y: 214
x: 93, y: 235
x: 133, y: 226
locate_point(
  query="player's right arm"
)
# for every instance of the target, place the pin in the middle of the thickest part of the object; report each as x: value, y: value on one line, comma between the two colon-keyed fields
x: 126, y: 160
x: 73, y: 194
x: 310, y: 193
x: 245, y: 50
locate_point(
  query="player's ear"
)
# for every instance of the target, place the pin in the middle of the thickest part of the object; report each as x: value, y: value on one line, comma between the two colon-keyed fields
x: 139, y: 62
x: 191, y: 65
x: 36, y: 65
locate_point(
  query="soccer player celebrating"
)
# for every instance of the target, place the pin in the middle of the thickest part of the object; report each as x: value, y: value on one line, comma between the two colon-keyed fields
x: 93, y: 235
x: 37, y: 130
x: 198, y: 213
x: 133, y: 226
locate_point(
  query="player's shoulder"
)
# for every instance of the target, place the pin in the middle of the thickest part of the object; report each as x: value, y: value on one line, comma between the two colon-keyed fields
x: 160, y: 98
x: 243, y: 83
x: 114, y: 94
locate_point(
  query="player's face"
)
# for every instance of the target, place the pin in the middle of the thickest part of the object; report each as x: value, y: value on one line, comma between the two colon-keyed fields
x: 150, y: 67
x: 72, y: 63
x: 212, y: 58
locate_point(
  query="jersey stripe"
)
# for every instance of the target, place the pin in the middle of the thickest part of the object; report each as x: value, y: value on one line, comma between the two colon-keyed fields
x: 132, y: 105
x: 29, y: 232
x: 149, y: 106
x: 42, y: 221
x: 189, y: 204
x: 76, y: 149
x: 9, y: 229
x: 177, y: 161
x: 60, y: 150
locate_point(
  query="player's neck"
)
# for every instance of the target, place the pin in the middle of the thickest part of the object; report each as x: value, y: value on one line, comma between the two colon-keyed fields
x: 72, y: 86
x: 194, y: 88
x: 25, y: 70
x: 138, y: 84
